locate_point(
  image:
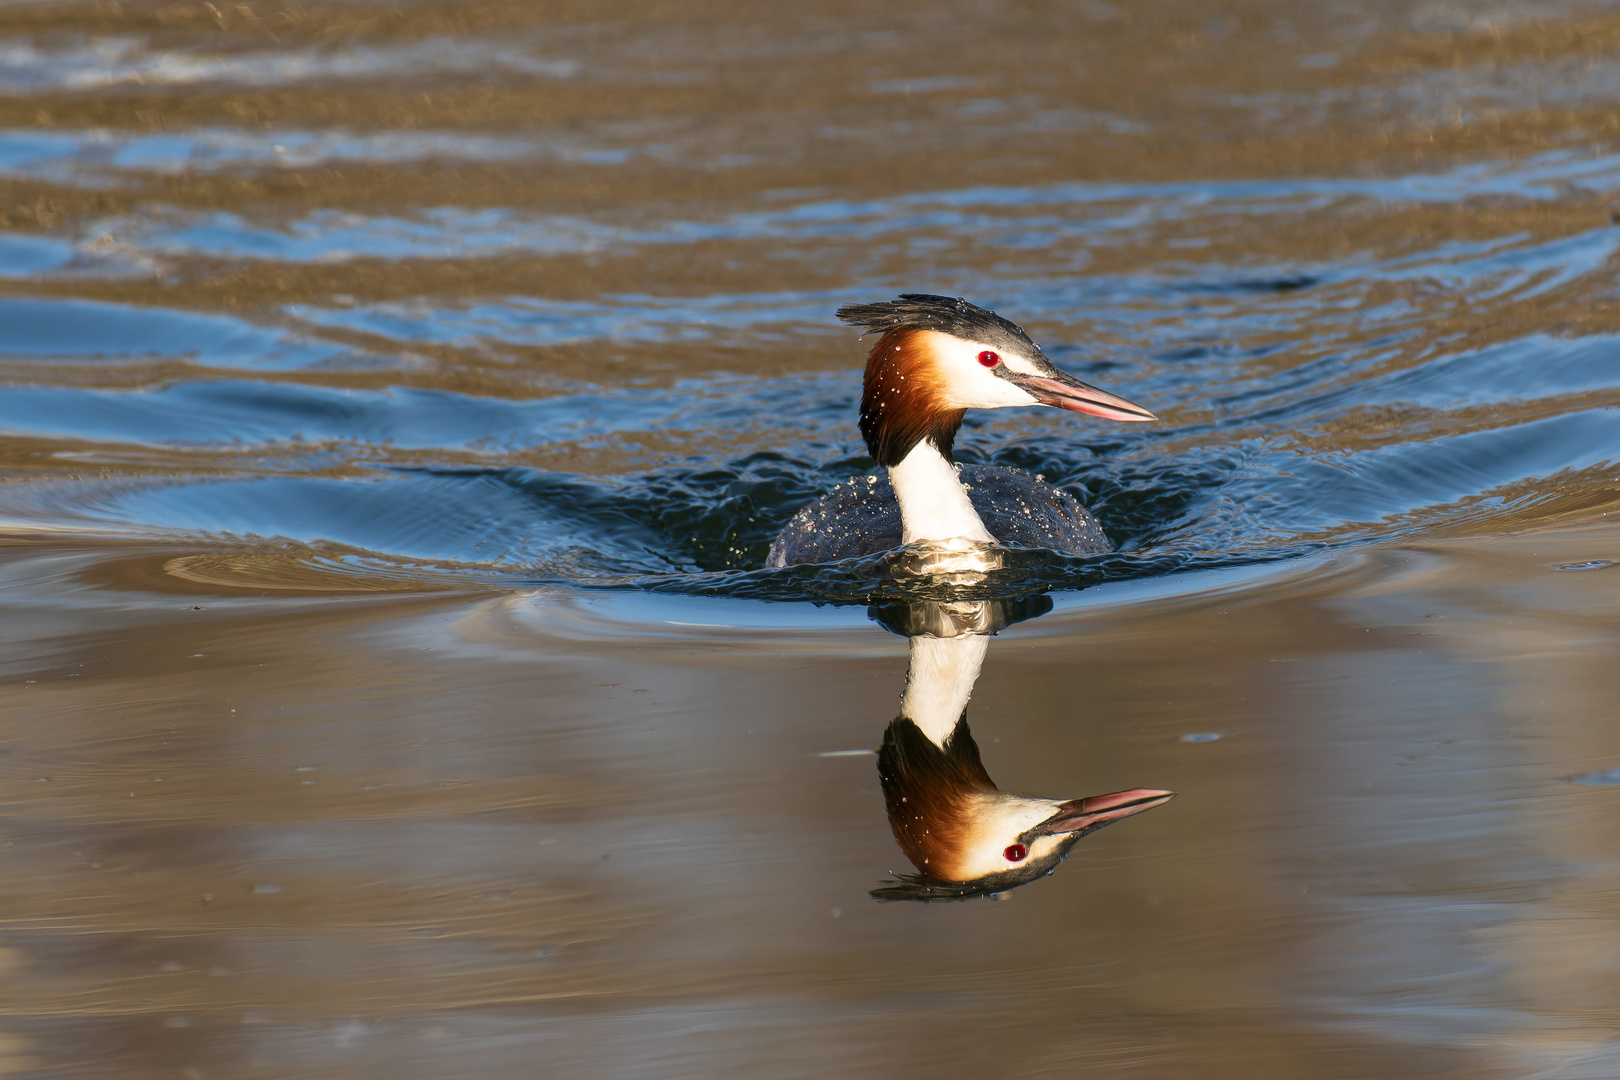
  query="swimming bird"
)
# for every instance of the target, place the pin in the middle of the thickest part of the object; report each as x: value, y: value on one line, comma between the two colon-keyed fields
x: 965, y: 836
x: 936, y: 358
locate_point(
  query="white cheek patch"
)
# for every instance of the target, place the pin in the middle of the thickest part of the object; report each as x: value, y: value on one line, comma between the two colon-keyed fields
x: 1000, y: 820
x: 968, y: 384
x: 1020, y: 365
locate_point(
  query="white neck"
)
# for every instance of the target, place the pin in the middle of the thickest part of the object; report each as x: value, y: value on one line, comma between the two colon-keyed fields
x: 940, y: 681
x: 933, y: 506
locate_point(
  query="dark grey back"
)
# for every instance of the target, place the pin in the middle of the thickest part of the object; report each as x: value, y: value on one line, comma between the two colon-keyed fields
x: 862, y: 517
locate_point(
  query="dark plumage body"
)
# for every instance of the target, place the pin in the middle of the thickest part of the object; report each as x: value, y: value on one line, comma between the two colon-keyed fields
x: 862, y: 517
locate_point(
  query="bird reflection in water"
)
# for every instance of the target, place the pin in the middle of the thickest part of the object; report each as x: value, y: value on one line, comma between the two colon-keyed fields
x: 965, y: 836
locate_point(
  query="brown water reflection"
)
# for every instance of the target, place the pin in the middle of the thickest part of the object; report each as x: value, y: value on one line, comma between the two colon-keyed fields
x: 276, y: 835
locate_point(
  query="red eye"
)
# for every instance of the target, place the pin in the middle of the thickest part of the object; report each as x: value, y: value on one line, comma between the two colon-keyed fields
x: 990, y: 359
x: 1016, y: 852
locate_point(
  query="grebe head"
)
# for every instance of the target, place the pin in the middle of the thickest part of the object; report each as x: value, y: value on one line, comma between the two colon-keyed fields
x: 940, y: 356
x: 964, y: 836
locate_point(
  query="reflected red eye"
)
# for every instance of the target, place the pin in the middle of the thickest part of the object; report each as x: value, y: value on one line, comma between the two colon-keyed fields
x: 990, y: 359
x: 1016, y: 852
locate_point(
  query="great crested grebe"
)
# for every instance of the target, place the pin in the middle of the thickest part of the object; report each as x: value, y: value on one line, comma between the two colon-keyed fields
x: 965, y: 836
x: 937, y: 358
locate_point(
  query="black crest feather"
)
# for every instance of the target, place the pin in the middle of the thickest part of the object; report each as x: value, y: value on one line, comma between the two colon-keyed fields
x: 949, y: 315
x: 910, y: 766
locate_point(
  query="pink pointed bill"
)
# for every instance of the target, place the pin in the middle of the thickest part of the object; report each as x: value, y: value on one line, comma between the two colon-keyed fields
x: 1080, y: 397
x: 1099, y: 810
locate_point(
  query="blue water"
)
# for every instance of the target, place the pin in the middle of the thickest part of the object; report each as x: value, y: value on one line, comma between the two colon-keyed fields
x: 236, y: 337
x: 1307, y: 402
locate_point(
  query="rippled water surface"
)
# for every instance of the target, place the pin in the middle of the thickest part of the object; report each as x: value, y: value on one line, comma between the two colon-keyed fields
x: 397, y: 403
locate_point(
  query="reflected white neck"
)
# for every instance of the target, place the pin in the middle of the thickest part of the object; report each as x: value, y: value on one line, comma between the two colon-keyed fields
x: 933, y: 505
x: 940, y: 680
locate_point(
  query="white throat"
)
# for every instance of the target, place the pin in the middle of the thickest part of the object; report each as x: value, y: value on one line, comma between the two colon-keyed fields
x: 933, y: 506
x: 940, y: 680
